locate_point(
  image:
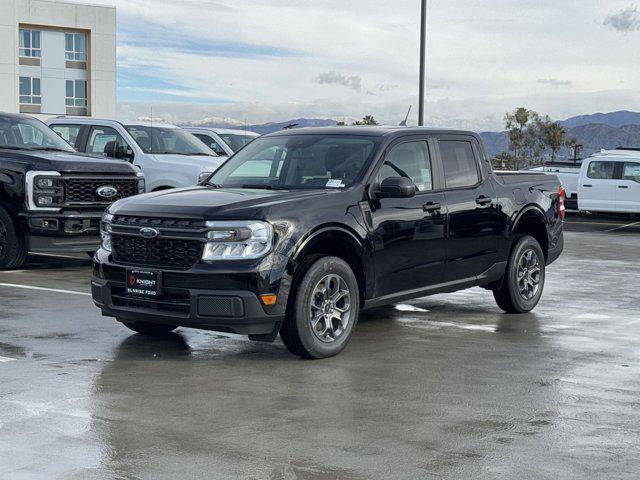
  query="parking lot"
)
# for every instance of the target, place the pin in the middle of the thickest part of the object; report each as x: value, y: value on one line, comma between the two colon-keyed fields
x: 440, y: 387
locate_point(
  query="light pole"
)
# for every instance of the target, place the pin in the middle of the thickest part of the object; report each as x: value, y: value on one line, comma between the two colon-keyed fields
x: 423, y: 47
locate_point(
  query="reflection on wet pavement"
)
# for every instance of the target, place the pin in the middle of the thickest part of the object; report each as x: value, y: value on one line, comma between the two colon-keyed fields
x: 442, y: 387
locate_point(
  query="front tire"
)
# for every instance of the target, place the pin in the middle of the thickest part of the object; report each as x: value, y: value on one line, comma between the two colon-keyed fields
x: 324, y: 309
x: 13, y: 249
x: 151, y: 329
x: 522, y: 285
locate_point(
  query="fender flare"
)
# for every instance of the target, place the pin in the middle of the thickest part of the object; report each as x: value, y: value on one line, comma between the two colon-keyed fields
x: 536, y: 211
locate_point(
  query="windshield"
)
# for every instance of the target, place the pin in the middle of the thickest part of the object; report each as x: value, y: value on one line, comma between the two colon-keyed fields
x: 26, y: 133
x: 298, y: 161
x: 167, y: 140
x: 236, y: 141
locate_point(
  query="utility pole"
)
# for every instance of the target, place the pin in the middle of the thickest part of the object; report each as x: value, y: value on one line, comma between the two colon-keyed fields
x: 423, y: 48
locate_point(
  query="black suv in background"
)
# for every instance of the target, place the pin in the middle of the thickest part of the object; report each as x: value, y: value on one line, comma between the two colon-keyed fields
x: 301, y: 229
x: 51, y: 197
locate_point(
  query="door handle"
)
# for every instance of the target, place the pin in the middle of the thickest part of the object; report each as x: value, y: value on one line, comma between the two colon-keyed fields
x: 431, y: 207
x: 623, y: 186
x: 587, y: 185
x: 482, y: 200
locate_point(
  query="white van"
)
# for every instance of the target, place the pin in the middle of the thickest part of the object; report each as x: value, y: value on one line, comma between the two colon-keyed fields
x: 610, y: 182
x: 168, y: 156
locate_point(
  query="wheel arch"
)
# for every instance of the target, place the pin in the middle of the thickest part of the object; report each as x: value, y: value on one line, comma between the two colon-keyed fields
x: 338, y: 241
x: 532, y: 221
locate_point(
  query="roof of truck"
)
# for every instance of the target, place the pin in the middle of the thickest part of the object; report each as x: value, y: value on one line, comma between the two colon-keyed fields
x: 380, y: 130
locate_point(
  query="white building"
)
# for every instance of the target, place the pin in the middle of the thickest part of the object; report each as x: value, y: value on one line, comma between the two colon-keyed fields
x: 57, y: 58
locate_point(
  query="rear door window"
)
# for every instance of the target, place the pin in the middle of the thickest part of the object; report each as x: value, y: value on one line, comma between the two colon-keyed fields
x: 459, y: 163
x: 105, y: 141
x: 68, y: 132
x: 631, y: 171
x: 211, y: 143
x: 598, y: 170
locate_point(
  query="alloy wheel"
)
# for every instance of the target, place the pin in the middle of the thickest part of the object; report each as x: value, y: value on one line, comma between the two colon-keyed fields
x: 330, y: 309
x: 528, y: 274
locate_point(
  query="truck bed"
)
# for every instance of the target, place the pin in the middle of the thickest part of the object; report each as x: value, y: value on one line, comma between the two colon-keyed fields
x: 514, y: 178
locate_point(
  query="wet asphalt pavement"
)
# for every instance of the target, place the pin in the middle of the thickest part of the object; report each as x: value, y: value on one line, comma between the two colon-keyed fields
x: 440, y: 387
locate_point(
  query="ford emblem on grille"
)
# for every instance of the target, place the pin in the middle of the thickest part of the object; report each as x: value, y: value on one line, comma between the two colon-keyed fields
x: 107, y: 191
x: 148, y: 232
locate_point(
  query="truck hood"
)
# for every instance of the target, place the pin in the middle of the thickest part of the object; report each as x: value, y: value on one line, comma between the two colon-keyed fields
x: 202, y: 163
x: 208, y: 203
x: 70, y: 162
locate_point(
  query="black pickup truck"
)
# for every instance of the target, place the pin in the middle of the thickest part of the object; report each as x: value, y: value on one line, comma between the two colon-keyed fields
x: 51, y: 197
x: 300, y: 230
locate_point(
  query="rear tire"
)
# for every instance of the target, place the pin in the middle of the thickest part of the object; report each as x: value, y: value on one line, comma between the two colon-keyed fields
x: 323, y: 310
x: 13, y: 248
x: 152, y: 329
x: 522, y: 285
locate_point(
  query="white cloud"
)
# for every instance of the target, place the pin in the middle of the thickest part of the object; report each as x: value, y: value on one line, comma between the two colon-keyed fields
x: 480, y: 61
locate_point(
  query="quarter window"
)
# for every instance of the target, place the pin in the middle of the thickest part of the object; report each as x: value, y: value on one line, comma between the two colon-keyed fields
x: 30, y: 43
x: 75, y: 47
x: 601, y: 170
x: 631, y: 171
x: 76, y: 93
x: 410, y: 160
x: 459, y: 163
x: 30, y: 91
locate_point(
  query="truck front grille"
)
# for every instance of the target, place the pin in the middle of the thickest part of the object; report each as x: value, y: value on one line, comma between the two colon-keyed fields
x: 83, y: 191
x: 156, y: 252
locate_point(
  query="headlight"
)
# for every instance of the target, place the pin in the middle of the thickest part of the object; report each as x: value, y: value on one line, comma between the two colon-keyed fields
x: 105, y: 233
x: 105, y: 230
x: 44, y: 190
x: 237, y: 240
x: 141, y: 182
x: 203, y: 176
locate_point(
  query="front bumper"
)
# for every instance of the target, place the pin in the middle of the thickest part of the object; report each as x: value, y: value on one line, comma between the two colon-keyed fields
x: 226, y: 302
x: 62, y: 232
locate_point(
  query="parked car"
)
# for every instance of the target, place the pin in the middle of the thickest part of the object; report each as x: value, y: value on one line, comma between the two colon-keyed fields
x: 609, y: 181
x: 168, y: 156
x: 302, y: 229
x: 51, y: 197
x: 223, y: 141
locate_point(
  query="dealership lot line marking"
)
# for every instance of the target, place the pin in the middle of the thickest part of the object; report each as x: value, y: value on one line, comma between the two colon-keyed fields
x: 56, y: 290
x: 6, y: 359
x: 623, y: 226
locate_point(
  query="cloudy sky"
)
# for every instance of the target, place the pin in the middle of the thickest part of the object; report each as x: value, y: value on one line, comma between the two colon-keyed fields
x: 273, y: 60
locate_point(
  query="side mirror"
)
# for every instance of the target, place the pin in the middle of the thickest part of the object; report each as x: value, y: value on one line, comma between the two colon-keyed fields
x: 124, y: 153
x: 396, y: 187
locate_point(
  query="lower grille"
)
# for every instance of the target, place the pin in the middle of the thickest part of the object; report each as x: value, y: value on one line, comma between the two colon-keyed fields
x: 176, y: 302
x: 84, y: 190
x: 156, y: 252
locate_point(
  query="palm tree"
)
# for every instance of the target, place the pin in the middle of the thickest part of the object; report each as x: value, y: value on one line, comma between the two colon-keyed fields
x: 555, y: 136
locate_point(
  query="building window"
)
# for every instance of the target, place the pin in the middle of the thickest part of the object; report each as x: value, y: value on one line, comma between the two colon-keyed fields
x: 30, y: 91
x: 29, y: 43
x: 75, y: 47
x: 76, y: 93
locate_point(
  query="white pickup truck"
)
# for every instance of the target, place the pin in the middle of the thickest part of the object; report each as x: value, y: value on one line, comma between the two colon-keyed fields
x: 168, y: 156
x: 607, y: 181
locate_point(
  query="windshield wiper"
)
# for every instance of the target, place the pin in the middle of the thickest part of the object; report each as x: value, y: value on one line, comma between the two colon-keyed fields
x: 14, y: 147
x: 259, y: 186
x: 53, y: 149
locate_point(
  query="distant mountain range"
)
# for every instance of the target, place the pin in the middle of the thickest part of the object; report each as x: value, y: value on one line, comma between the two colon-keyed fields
x: 594, y: 132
